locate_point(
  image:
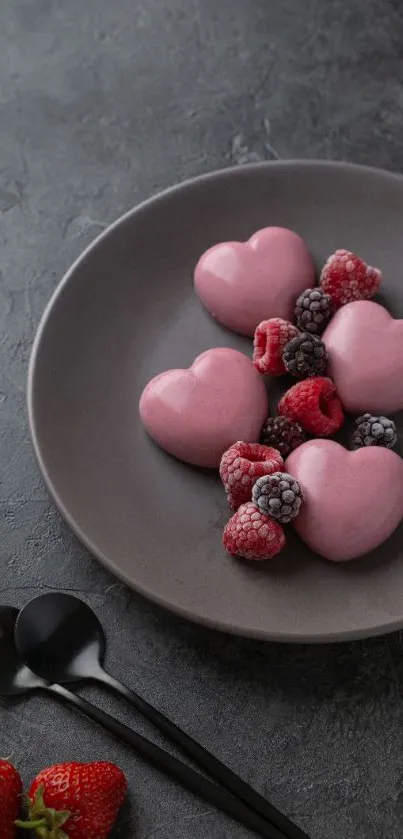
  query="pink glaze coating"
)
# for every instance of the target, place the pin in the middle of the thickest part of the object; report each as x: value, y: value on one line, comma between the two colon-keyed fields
x: 197, y: 414
x: 365, y: 346
x: 353, y: 500
x: 243, y: 283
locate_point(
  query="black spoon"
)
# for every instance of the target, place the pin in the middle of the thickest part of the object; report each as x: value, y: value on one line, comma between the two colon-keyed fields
x: 61, y: 639
x: 16, y: 679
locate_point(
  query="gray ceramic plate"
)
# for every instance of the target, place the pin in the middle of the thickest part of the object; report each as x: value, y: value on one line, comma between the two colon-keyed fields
x: 125, y: 311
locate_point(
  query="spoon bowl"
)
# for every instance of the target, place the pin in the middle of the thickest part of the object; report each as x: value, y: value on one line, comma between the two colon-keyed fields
x: 60, y: 638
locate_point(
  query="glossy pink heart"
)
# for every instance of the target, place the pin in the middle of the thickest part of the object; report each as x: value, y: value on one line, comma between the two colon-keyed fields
x: 365, y: 346
x: 243, y: 283
x: 197, y: 414
x: 353, y: 500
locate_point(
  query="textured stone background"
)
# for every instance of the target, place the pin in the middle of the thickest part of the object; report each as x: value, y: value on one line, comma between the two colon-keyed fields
x: 101, y: 104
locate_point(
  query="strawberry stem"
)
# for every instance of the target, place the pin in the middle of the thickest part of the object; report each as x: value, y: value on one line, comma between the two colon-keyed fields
x: 32, y: 825
x: 45, y: 821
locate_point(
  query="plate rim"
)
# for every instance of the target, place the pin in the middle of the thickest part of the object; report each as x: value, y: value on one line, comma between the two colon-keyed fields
x: 292, y: 637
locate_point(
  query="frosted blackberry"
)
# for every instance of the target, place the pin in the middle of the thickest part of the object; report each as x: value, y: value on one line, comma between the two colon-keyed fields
x: 282, y: 434
x: 278, y: 496
x: 313, y: 311
x: 374, y: 431
x: 305, y: 356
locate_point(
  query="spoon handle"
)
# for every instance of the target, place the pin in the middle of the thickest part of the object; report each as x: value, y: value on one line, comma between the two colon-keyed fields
x: 206, y: 760
x: 173, y: 767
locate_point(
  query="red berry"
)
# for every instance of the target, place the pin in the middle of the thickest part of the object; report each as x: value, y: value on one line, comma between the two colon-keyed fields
x: 314, y: 404
x: 81, y: 800
x: 10, y: 799
x: 253, y: 535
x: 271, y: 336
x: 345, y: 277
x: 242, y: 465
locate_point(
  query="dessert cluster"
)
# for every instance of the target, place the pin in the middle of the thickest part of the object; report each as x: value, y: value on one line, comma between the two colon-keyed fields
x: 215, y: 413
x: 261, y: 493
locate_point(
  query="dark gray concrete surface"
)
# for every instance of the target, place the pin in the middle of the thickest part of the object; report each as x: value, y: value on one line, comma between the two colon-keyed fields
x: 102, y: 103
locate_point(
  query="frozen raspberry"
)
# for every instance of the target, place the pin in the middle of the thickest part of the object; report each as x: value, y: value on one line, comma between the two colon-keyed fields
x: 314, y: 404
x: 242, y: 465
x: 313, y: 311
x: 345, y: 277
x: 304, y: 356
x: 252, y: 535
x: 282, y: 434
x: 271, y: 336
x: 278, y: 495
x: 374, y: 431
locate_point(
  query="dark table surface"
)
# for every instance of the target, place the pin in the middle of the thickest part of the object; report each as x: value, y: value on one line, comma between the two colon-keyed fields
x: 103, y: 103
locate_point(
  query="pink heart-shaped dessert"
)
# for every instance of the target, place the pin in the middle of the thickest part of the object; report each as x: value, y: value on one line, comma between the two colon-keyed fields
x: 365, y: 346
x: 197, y: 414
x: 353, y: 500
x: 243, y: 283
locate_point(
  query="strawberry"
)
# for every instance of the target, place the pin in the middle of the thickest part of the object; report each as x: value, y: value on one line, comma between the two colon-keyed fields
x: 10, y: 793
x: 75, y: 801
